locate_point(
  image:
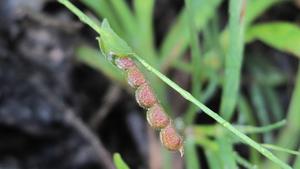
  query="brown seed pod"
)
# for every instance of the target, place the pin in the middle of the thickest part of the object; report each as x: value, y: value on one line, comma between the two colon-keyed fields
x: 157, y: 117
x: 171, y: 140
x: 135, y: 77
x: 124, y: 63
x: 145, y: 96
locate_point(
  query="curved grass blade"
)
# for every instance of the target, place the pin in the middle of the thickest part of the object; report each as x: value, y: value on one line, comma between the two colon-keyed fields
x: 120, y: 164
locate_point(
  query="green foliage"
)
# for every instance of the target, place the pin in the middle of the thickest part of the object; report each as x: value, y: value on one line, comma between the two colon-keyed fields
x: 191, y: 156
x: 176, y: 41
x: 110, y: 43
x: 119, y: 162
x: 280, y: 35
x: 233, y: 60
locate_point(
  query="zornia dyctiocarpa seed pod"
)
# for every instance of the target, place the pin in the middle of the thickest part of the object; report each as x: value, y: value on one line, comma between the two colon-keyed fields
x: 135, y: 77
x: 124, y: 63
x: 157, y: 117
x: 145, y: 96
x: 171, y: 140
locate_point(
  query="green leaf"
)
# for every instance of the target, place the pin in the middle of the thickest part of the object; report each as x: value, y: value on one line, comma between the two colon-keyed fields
x: 111, y: 43
x: 280, y: 35
x: 120, y: 164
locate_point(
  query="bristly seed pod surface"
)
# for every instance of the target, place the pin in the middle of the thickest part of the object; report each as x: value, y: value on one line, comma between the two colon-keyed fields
x: 135, y: 77
x: 124, y: 63
x: 145, y: 96
x: 171, y: 140
x: 157, y: 117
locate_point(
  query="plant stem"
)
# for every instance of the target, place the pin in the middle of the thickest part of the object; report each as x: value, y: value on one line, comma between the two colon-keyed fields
x: 213, y: 115
x: 83, y: 18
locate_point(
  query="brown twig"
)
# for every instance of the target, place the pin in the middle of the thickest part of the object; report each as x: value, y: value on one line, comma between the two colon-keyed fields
x: 104, y: 156
x: 111, y: 97
x: 102, y: 153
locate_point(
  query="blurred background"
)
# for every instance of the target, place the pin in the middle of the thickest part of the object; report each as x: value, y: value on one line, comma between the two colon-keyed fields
x: 64, y: 106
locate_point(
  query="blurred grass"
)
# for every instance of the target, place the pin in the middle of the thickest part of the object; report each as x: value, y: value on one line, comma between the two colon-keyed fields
x: 120, y: 164
x: 280, y: 35
x: 176, y: 41
x: 289, y: 137
x: 196, y: 61
x: 233, y: 59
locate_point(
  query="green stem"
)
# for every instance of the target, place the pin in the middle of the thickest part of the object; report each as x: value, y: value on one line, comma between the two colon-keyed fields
x: 213, y: 115
x: 83, y: 18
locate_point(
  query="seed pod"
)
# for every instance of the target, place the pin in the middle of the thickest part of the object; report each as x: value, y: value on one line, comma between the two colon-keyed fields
x: 124, y: 63
x: 157, y: 117
x: 145, y: 96
x: 135, y: 77
x: 171, y: 140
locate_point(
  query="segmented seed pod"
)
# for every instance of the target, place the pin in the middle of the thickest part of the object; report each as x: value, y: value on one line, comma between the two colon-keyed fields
x: 135, y: 77
x: 171, y: 140
x: 124, y: 63
x: 157, y: 117
x: 145, y: 96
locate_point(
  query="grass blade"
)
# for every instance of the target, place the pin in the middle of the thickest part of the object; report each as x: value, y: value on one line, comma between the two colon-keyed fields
x: 190, y: 151
x: 263, y: 129
x: 120, y: 164
x: 274, y: 102
x: 196, y: 58
x: 213, y: 159
x: 233, y: 59
x: 127, y: 19
x: 277, y: 148
x: 176, y: 41
x: 104, y: 10
x: 144, y: 17
x: 297, y: 162
x: 226, y: 153
x: 243, y: 162
x: 260, y: 106
x: 82, y: 17
x: 293, y: 125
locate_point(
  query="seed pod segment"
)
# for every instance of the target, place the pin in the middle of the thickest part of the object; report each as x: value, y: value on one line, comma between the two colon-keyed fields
x: 171, y: 140
x: 157, y: 117
x: 135, y: 77
x: 124, y: 63
x: 145, y: 96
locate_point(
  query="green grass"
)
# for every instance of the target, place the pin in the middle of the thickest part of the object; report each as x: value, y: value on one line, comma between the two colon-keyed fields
x: 216, y: 66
